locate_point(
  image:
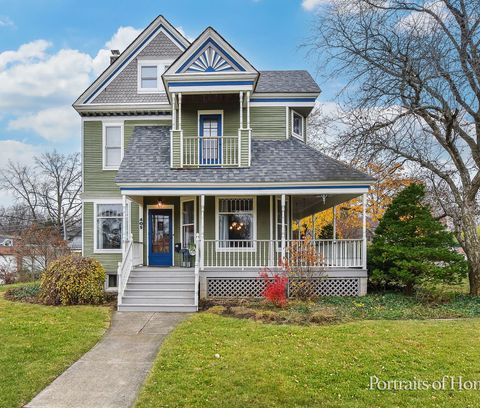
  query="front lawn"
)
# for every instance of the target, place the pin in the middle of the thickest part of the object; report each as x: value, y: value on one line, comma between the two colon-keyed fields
x: 39, y: 342
x: 218, y: 361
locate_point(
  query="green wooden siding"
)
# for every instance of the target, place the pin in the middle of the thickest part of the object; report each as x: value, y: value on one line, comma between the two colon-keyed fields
x: 268, y: 122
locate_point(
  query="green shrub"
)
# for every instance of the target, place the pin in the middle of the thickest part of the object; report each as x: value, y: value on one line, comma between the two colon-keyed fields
x: 73, y: 280
x: 26, y: 293
x: 411, y: 248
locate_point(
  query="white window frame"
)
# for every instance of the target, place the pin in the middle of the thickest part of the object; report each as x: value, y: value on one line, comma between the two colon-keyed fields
x: 253, y: 248
x: 302, y: 135
x: 160, y: 64
x: 106, y: 124
x: 184, y: 200
x: 209, y: 112
x: 97, y: 250
x: 288, y: 223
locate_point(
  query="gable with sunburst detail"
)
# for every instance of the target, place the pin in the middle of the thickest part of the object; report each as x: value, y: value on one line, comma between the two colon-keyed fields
x: 210, y: 61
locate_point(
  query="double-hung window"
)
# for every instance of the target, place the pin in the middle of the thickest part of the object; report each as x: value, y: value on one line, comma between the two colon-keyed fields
x: 188, y: 223
x: 297, y: 125
x: 236, y: 223
x: 150, y: 75
x: 112, y: 145
x: 108, y: 227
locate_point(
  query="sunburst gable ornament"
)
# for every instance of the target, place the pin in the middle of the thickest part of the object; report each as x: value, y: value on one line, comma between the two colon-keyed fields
x: 210, y: 61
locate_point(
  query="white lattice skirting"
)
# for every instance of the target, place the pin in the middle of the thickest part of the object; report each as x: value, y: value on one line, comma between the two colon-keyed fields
x: 253, y: 288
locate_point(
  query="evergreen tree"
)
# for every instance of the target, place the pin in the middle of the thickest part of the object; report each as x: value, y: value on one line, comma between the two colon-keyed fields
x: 411, y: 248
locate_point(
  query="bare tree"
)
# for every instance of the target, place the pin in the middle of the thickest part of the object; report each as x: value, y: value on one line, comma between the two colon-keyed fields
x: 413, y: 93
x: 49, y: 188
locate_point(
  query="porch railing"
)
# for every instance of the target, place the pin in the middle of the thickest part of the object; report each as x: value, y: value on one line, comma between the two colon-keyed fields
x: 328, y: 253
x: 210, y: 151
x: 131, y: 257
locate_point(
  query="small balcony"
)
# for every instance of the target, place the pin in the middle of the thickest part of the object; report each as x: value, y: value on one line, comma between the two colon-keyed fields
x: 200, y: 151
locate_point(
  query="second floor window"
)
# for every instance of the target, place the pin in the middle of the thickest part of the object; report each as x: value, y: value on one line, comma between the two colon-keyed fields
x: 112, y: 146
x: 150, y: 75
x: 297, y: 125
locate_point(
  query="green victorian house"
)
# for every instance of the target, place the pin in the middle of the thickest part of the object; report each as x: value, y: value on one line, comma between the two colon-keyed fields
x: 195, y: 166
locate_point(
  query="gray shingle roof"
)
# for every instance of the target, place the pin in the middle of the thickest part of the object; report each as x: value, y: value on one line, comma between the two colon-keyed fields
x: 286, y: 81
x: 147, y: 160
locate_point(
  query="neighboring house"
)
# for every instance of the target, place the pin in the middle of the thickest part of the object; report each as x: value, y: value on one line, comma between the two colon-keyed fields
x: 195, y: 164
x: 8, y: 259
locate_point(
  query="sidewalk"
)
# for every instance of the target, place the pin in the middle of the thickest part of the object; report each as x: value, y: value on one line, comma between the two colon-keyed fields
x: 112, y: 372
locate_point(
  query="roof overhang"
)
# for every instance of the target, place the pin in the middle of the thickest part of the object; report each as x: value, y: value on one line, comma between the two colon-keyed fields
x: 353, y: 188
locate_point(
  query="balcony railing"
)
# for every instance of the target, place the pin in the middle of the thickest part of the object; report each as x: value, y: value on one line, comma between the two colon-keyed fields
x: 326, y: 253
x: 210, y: 151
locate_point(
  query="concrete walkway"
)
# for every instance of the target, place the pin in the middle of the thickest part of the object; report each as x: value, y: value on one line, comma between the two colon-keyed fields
x: 112, y: 372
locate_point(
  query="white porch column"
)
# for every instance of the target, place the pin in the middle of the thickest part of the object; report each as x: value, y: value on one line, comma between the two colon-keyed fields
x: 241, y: 109
x: 364, y: 230
x: 124, y: 225
x: 202, y: 232
x: 334, y: 222
x: 283, y: 226
x: 248, y: 109
x: 179, y: 111
x: 174, y: 113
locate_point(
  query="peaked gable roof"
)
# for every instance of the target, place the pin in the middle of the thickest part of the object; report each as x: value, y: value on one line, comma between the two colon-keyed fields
x: 160, y: 24
x: 210, y: 54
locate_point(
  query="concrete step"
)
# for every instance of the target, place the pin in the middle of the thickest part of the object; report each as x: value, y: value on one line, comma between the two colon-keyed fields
x: 161, y: 279
x: 143, y: 274
x: 156, y: 308
x: 162, y: 270
x: 188, y: 293
x: 133, y: 284
x: 158, y: 300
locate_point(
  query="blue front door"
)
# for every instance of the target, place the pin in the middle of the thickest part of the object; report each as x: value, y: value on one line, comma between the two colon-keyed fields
x: 210, y: 139
x: 160, y: 251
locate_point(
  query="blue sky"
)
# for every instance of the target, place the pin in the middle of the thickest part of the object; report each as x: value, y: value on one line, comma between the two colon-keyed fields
x: 50, y: 50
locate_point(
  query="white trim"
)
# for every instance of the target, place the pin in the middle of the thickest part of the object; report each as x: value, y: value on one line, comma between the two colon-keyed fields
x: 115, y: 201
x: 126, y: 118
x: 164, y: 207
x: 288, y: 219
x: 111, y: 123
x: 208, y: 112
x: 289, y: 103
x: 210, y: 88
x: 253, y: 248
x: 298, y: 136
x: 287, y: 130
x: 184, y: 200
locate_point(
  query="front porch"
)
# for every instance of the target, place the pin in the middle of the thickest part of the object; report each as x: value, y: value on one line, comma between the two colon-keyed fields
x: 227, y: 240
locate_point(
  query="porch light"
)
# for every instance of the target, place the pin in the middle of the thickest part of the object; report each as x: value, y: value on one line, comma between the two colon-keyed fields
x: 160, y: 203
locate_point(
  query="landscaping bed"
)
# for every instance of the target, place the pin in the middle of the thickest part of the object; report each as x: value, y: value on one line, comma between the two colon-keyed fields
x: 326, y: 310
x: 40, y: 342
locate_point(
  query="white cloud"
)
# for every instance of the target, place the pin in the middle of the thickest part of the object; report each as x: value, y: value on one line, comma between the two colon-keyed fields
x: 53, y: 124
x: 19, y: 151
x: 182, y: 31
x: 311, y: 5
x: 26, y: 52
x: 421, y: 23
x: 119, y: 41
x: 6, y: 22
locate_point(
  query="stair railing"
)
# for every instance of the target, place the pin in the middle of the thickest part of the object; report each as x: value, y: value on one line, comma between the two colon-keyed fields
x: 197, y: 267
x: 124, y: 269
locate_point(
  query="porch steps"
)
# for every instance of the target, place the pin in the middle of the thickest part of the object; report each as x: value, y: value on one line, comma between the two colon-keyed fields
x: 153, y: 289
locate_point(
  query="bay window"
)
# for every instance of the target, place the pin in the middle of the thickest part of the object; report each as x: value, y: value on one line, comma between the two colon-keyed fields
x: 236, y: 222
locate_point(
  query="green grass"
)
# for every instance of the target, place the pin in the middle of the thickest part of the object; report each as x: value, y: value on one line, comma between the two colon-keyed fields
x: 39, y: 342
x: 266, y: 365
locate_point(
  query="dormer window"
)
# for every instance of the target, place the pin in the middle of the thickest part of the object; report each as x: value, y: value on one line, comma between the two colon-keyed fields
x: 150, y: 75
x: 297, y: 125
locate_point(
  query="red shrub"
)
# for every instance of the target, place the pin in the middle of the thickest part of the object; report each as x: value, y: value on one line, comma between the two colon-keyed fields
x: 275, y: 290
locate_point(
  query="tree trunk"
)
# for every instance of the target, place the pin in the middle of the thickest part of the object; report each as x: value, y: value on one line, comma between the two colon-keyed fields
x: 471, y: 245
